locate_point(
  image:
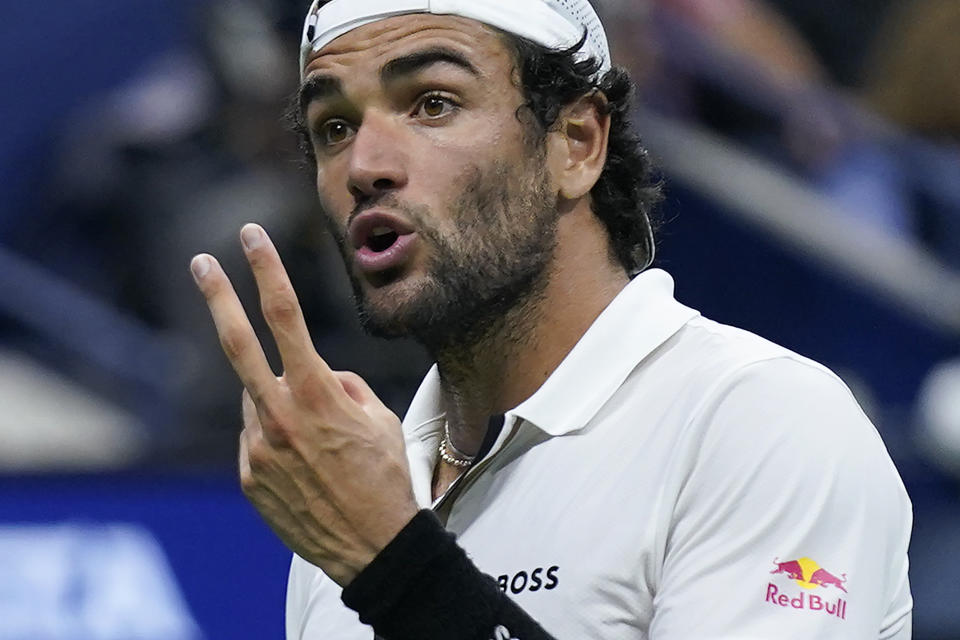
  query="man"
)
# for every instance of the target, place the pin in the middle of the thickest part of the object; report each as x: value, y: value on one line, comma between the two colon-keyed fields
x: 615, y: 465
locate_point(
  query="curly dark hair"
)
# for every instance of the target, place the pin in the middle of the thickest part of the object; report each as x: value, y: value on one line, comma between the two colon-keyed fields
x: 628, y: 190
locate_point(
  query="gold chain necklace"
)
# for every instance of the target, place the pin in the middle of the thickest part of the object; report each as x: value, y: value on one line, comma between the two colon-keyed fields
x: 450, y: 454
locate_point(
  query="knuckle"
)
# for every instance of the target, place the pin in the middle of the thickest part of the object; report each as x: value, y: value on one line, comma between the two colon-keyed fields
x: 276, y: 429
x: 277, y: 434
x: 307, y: 387
x: 258, y: 458
x: 268, y: 414
x: 263, y: 395
x: 248, y: 483
x: 347, y: 375
x: 385, y: 416
x: 233, y: 343
x: 350, y: 378
x: 281, y: 308
x: 248, y: 410
x: 256, y: 397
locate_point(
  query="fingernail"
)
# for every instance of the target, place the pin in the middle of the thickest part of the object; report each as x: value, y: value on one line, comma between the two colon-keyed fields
x: 252, y: 236
x: 199, y: 266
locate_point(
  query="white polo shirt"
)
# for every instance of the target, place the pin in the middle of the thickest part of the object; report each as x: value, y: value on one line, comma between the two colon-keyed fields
x: 674, y: 478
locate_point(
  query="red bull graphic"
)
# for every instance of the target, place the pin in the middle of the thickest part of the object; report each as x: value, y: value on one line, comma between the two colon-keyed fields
x: 791, y: 567
x: 809, y: 575
x: 824, y: 578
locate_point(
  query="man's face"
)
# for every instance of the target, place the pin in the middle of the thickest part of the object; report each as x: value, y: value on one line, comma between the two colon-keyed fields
x: 438, y: 196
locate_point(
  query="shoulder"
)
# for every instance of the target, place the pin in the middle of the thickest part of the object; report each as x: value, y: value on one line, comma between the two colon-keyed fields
x: 705, y: 345
x: 762, y: 429
x: 757, y: 397
x: 710, y: 373
x: 778, y: 460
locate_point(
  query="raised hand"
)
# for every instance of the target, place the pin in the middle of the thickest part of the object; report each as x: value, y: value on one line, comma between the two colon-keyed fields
x: 321, y: 458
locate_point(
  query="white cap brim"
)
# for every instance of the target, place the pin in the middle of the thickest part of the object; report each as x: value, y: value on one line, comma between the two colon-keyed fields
x: 554, y: 24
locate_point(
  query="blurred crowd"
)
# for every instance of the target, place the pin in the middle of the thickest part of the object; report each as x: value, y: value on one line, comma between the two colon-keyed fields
x: 860, y: 99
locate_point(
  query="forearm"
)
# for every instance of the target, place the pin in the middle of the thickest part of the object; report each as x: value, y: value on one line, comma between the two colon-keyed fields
x: 423, y: 585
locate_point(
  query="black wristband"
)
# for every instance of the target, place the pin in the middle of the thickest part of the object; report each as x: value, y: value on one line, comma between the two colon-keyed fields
x: 422, y: 585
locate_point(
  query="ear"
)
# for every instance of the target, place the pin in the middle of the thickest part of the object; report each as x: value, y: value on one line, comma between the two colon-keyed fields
x: 579, y: 145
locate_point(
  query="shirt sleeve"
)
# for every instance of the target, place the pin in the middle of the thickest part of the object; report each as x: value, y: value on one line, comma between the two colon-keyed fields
x: 790, y: 520
x: 314, y: 609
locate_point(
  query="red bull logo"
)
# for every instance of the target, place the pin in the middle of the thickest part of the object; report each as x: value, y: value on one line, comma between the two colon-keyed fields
x: 808, y: 575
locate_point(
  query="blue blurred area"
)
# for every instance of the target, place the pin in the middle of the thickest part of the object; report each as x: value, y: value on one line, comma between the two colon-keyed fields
x: 53, y: 57
x: 229, y: 567
x: 733, y: 273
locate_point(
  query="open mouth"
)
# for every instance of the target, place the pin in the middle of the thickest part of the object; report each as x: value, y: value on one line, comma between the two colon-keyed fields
x: 380, y: 239
x: 376, y: 232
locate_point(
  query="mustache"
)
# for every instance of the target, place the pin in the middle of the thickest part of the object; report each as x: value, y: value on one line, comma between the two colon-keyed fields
x: 384, y: 201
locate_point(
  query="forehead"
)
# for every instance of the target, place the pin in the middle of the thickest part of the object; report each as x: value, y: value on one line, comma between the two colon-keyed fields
x: 368, y: 47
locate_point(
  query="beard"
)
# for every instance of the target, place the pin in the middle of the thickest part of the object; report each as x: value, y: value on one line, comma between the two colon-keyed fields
x: 494, y: 265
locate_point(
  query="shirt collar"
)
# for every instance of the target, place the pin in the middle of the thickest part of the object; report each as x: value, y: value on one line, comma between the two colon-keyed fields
x: 638, y: 320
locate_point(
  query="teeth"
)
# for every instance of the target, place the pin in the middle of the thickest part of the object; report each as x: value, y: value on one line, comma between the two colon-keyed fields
x: 381, y: 231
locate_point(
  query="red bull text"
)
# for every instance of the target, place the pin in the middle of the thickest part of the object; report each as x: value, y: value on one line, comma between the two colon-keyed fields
x: 808, y: 601
x: 808, y: 575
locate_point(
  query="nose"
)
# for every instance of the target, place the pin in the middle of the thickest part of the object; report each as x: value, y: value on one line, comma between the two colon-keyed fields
x: 377, y: 158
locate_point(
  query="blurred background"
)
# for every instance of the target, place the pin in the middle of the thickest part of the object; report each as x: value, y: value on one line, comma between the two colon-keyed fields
x: 811, y: 150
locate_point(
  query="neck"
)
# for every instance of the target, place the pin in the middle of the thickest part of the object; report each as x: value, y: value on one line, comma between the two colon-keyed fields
x: 506, y: 363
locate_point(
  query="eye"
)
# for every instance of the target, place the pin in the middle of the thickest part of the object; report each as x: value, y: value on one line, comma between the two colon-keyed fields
x: 334, y: 131
x: 434, y: 105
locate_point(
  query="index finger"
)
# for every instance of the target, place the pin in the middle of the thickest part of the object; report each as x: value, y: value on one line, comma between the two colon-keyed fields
x: 237, y: 337
x: 280, y: 306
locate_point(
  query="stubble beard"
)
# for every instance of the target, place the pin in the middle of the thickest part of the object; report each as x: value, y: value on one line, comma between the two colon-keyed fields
x: 486, y: 278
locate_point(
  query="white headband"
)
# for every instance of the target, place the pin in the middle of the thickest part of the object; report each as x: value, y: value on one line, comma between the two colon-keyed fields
x: 555, y: 24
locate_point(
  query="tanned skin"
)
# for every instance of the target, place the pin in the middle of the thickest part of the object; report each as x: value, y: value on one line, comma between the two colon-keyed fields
x: 321, y: 457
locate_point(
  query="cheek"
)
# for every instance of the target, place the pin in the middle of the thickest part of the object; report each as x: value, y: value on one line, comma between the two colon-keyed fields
x: 334, y: 198
x: 446, y: 154
x: 440, y: 174
x: 447, y: 166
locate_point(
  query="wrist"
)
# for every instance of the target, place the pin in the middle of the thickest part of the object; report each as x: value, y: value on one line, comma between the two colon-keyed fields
x: 347, y: 568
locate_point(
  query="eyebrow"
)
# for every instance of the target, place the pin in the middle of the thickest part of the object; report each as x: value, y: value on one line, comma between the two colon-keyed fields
x: 318, y: 88
x: 420, y: 60
x: 321, y: 87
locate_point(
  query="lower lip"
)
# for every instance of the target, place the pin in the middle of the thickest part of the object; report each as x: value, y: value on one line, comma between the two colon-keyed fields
x: 394, y: 256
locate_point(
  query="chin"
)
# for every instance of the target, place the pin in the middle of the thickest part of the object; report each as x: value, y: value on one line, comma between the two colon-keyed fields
x: 384, y: 323
x: 394, y: 308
